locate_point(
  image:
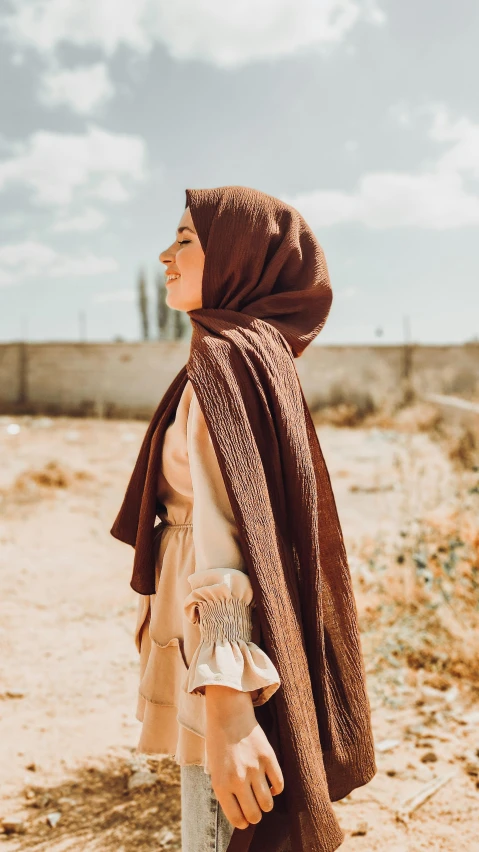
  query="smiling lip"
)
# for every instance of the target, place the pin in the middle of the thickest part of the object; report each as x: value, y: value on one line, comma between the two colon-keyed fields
x: 172, y: 281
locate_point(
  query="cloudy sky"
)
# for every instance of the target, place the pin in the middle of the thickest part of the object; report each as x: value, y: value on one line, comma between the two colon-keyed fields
x: 363, y: 114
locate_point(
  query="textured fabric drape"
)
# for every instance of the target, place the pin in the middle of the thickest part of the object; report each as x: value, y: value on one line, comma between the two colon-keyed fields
x: 265, y: 295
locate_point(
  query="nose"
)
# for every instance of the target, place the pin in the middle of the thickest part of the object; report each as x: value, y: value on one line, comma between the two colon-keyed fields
x: 167, y: 255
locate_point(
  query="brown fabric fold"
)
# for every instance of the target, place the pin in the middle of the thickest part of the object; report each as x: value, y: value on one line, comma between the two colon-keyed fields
x: 266, y: 295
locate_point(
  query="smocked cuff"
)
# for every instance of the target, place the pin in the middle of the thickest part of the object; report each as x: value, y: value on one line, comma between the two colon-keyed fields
x: 226, y: 655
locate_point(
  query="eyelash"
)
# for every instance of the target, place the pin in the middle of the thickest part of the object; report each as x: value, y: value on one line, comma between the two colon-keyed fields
x: 182, y: 242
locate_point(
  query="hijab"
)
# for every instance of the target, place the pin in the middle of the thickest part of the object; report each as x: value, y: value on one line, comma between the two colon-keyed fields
x: 266, y: 294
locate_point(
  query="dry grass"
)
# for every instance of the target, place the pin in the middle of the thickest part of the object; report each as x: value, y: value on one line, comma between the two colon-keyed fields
x: 69, y: 667
x: 97, y: 810
x: 36, y: 483
x: 423, y: 595
x: 459, y: 439
x: 463, y: 447
x: 343, y: 408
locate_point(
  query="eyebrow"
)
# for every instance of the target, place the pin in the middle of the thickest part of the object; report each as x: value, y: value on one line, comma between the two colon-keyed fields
x: 184, y: 228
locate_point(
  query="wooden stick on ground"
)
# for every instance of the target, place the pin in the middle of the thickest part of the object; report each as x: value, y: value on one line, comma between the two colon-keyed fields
x: 413, y: 802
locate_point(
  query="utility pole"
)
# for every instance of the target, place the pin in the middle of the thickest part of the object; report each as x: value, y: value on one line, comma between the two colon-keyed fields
x: 22, y: 395
x: 407, y: 362
x: 408, y: 390
x: 82, y: 325
x: 24, y: 328
x: 143, y: 305
x: 162, y: 309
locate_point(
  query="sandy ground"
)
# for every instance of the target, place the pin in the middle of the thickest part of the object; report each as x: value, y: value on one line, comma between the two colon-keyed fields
x: 68, y: 665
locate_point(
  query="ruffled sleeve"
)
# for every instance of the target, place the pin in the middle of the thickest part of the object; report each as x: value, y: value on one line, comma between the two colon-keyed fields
x: 221, y: 598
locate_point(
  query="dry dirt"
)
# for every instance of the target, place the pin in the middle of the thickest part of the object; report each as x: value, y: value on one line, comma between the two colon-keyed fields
x: 68, y: 666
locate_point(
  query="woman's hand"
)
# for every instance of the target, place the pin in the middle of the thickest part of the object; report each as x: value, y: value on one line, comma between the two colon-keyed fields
x: 240, y: 757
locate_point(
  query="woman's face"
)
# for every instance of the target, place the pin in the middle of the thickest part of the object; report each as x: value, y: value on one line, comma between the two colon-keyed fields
x: 186, y: 259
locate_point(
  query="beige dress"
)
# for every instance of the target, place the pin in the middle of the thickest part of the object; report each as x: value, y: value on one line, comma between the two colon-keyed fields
x: 199, y: 627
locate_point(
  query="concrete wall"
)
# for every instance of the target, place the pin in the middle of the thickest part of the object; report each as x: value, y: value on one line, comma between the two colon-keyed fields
x: 128, y: 379
x: 384, y: 374
x: 107, y: 379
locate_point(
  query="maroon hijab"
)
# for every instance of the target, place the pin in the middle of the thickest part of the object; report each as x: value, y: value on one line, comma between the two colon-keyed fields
x: 266, y: 295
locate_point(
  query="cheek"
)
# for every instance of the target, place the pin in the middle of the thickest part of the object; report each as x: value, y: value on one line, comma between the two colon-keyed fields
x: 190, y: 264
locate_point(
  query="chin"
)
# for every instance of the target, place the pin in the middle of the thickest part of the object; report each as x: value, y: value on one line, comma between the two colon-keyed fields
x: 171, y: 301
x: 178, y: 305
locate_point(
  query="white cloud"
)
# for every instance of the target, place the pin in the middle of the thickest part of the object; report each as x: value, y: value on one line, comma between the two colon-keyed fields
x: 392, y: 200
x: 23, y: 260
x: 115, y: 296
x: 373, y: 13
x: 87, y: 264
x: 225, y: 34
x: 347, y: 293
x: 82, y: 89
x: 464, y: 154
x: 111, y: 189
x: 18, y: 58
x: 401, y: 113
x: 57, y: 166
x: 90, y: 220
x: 351, y: 146
x: 435, y: 198
x: 32, y: 259
x: 44, y: 24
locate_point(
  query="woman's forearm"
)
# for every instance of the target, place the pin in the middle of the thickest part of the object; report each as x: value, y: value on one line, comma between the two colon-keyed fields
x: 224, y: 701
x: 230, y: 711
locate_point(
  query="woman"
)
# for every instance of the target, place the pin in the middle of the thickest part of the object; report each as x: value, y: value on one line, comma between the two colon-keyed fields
x: 201, y: 581
x: 254, y: 281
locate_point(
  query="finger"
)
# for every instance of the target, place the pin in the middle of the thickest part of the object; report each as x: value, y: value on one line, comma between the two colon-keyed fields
x: 262, y: 792
x: 273, y: 771
x: 248, y: 803
x: 232, y: 810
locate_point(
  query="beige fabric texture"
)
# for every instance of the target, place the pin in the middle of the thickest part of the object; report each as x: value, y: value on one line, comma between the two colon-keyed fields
x: 199, y: 627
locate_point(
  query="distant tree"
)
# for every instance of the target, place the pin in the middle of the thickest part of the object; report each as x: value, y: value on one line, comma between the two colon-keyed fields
x: 182, y: 327
x: 178, y: 327
x: 143, y: 304
x: 186, y: 326
x: 171, y: 324
x: 163, y: 310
